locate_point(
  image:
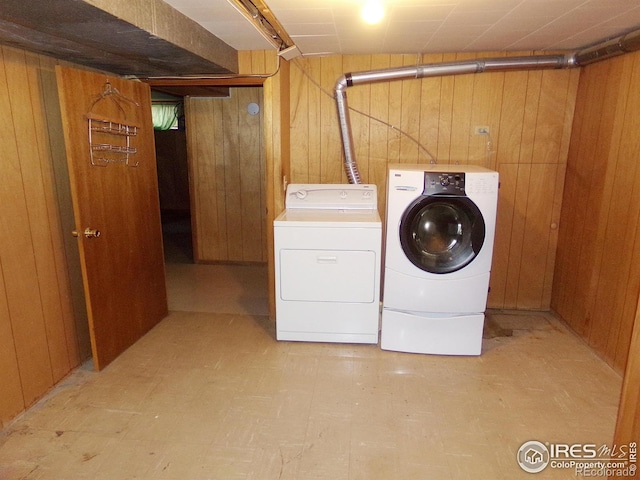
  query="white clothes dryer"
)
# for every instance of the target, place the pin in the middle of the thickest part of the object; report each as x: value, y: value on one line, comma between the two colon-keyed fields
x: 328, y: 253
x: 439, y: 246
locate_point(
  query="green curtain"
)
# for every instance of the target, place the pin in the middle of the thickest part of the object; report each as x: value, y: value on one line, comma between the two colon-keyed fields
x: 165, y: 116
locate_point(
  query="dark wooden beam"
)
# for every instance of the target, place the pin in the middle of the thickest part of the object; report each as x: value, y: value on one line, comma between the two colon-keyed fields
x: 82, y: 33
x: 193, y: 91
x: 204, y: 82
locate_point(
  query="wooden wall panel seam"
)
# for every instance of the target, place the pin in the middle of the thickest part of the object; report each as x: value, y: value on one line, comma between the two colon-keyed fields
x: 12, y: 400
x: 40, y: 339
x: 30, y: 338
x: 61, y: 262
x: 597, y: 281
x: 51, y: 291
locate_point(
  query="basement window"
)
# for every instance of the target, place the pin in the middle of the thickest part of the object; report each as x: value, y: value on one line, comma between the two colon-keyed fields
x: 165, y: 115
x: 167, y: 111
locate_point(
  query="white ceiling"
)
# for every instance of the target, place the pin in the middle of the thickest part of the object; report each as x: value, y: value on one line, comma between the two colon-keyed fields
x: 424, y: 26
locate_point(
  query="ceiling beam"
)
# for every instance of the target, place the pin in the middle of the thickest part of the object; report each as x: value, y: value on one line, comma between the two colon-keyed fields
x: 239, y: 81
x: 203, y: 86
x: 136, y: 37
x: 193, y: 91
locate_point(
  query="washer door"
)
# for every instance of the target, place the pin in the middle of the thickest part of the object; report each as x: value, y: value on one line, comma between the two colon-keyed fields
x: 442, y: 233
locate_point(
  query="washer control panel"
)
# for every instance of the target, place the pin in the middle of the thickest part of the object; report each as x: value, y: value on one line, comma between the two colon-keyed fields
x: 444, y: 183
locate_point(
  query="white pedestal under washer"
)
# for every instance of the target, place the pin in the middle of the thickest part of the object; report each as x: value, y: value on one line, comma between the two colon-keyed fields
x: 327, y: 246
x: 439, y: 247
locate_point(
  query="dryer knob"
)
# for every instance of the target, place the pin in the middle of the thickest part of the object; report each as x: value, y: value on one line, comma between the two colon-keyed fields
x: 444, y: 181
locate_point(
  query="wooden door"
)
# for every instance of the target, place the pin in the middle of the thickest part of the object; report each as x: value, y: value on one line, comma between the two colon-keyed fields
x: 111, y: 156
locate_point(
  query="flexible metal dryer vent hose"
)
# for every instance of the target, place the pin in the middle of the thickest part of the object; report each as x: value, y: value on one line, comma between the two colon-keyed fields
x: 623, y: 44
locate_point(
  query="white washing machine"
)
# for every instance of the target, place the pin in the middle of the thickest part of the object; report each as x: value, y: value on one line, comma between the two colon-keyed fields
x: 327, y: 246
x: 439, y: 246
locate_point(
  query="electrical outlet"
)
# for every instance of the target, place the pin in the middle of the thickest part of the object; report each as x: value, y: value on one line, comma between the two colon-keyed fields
x: 481, y: 130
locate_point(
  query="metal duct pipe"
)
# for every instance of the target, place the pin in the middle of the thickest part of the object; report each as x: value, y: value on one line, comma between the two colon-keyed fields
x: 422, y: 71
x: 626, y: 43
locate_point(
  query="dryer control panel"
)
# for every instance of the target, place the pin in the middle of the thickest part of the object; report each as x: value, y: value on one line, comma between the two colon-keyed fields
x: 449, y: 183
x: 332, y: 196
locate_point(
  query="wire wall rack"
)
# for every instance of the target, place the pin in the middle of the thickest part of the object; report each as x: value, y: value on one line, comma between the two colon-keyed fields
x: 110, y: 141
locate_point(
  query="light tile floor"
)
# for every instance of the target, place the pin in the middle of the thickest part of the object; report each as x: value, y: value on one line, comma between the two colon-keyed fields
x: 212, y: 395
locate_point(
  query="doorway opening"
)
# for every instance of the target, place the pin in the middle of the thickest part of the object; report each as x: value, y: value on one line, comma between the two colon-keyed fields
x: 173, y: 188
x: 173, y: 176
x: 212, y: 188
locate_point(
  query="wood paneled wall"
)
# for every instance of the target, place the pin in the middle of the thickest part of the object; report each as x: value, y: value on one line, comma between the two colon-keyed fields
x: 276, y: 92
x: 275, y: 95
x: 597, y: 275
x: 226, y: 159
x: 529, y: 115
x: 43, y: 325
x: 628, y: 421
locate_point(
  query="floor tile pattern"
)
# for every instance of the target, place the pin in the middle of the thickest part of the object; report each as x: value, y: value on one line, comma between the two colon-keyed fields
x: 212, y: 395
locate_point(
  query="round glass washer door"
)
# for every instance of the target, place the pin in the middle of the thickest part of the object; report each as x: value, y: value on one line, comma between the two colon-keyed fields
x: 442, y: 233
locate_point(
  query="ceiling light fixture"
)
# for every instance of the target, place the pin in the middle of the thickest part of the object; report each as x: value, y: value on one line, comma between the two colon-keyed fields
x: 372, y: 12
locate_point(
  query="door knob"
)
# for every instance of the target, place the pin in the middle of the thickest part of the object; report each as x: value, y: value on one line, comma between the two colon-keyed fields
x: 88, y: 233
